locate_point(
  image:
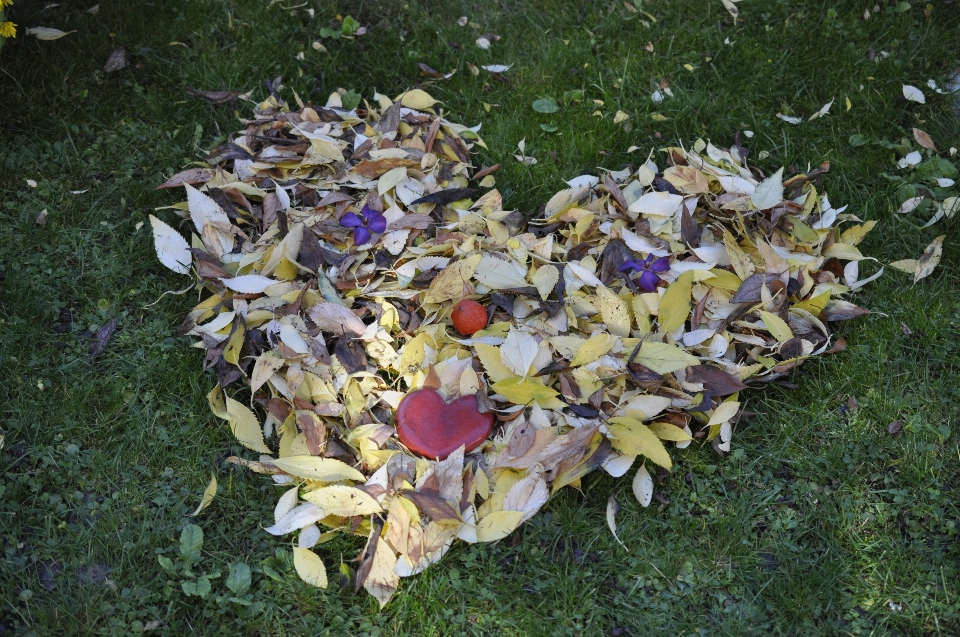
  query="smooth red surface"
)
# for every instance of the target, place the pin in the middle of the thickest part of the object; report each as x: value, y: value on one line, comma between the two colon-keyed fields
x: 469, y: 317
x: 431, y: 428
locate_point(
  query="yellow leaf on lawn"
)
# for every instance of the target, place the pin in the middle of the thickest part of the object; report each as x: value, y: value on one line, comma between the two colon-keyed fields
x: 843, y: 251
x: 675, y: 304
x: 664, y: 358
x: 724, y: 412
x: 614, y: 311
x: 855, y: 234
x: 309, y: 567
x: 417, y: 99
x: 906, y: 265
x: 208, y: 495
x: 498, y: 525
x: 632, y: 437
x: 595, y: 347
x: 522, y: 392
x: 381, y: 581
x: 231, y: 352
x: 344, y: 501
x: 316, y: 468
x: 449, y: 283
x: 776, y: 326
x: 815, y: 304
x: 666, y: 431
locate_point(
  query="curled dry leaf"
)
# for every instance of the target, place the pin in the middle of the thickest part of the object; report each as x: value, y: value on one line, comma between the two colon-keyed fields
x: 617, y: 323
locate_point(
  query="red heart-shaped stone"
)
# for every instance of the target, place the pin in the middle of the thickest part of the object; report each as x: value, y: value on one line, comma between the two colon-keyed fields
x: 432, y: 428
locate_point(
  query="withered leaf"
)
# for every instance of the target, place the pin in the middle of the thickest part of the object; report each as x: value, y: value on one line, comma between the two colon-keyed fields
x: 192, y: 176
x: 715, y: 380
x: 103, y: 336
x: 433, y: 506
x: 444, y: 197
x: 749, y: 291
x: 116, y: 61
x: 351, y: 355
x: 214, y: 97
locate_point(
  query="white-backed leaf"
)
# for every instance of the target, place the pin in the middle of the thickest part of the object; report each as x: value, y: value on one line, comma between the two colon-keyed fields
x: 770, y: 192
x: 172, y: 249
x: 643, y: 486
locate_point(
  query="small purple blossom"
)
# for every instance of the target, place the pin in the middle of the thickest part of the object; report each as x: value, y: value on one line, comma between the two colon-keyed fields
x: 648, y: 267
x: 364, y: 224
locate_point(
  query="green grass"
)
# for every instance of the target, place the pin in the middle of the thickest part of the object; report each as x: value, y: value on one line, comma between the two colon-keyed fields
x: 819, y: 523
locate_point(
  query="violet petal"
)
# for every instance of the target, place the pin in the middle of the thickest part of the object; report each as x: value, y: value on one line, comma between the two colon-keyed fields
x: 361, y: 235
x: 350, y: 220
x: 377, y: 222
x: 661, y: 265
x: 631, y: 265
x: 648, y: 281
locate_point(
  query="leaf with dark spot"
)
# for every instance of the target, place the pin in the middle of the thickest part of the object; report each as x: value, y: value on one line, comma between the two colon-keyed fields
x: 715, y: 380
x: 749, y: 290
x: 445, y: 197
x: 192, y: 176
x: 433, y: 505
x: 351, y: 355
x: 214, y: 97
x: 104, y: 334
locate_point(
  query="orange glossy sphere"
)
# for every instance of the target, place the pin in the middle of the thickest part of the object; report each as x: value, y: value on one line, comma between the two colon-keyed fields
x: 469, y: 317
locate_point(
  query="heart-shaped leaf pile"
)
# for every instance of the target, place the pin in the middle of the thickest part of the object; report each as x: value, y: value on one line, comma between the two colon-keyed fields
x: 333, y: 245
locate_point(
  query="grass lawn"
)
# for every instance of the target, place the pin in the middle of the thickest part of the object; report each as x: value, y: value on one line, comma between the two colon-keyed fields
x: 819, y: 523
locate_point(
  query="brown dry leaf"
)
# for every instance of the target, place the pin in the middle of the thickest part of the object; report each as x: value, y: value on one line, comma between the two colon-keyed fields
x: 214, y: 97
x: 923, y: 139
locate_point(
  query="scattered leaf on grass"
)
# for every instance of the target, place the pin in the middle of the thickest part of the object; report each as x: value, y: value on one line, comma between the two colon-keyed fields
x: 41, y: 219
x: 214, y: 97
x: 208, y: 495
x: 895, y: 427
x: 913, y: 94
x: 929, y: 259
x: 546, y: 105
x: 923, y: 139
x: 46, y: 33
x: 643, y: 486
x: 309, y: 567
x: 116, y: 61
x: 613, y: 508
x: 103, y: 336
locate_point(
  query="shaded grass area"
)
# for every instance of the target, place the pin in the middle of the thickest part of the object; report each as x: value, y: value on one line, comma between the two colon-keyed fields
x: 820, y: 522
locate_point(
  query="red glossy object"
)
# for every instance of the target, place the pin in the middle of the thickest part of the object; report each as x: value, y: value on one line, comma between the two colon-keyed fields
x: 469, y: 317
x: 432, y: 428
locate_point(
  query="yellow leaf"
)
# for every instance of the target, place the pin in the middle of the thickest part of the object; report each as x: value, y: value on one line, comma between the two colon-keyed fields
x: 522, y: 392
x: 687, y: 179
x: 906, y: 265
x: 316, y: 468
x: 492, y: 362
x: 615, y: 313
x: 675, y: 304
x: 776, y: 326
x: 724, y: 412
x: 741, y: 263
x: 343, y: 501
x: 208, y: 495
x: 724, y: 280
x: 231, y: 352
x: 545, y: 279
x: 843, y: 251
x: 595, y: 347
x: 855, y: 234
x: 309, y: 567
x: 664, y: 358
x: 657, y: 117
x: 632, y: 437
x: 849, y: 105
x: 417, y: 99
x: 381, y: 581
x: 498, y: 525
x: 666, y: 431
x: 449, y: 283
x: 816, y: 304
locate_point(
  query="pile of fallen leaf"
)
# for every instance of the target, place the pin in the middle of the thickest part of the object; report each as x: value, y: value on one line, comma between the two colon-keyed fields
x: 624, y: 319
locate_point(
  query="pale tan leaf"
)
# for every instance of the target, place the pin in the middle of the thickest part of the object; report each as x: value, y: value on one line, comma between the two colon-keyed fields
x: 929, y: 259
x: 208, y: 495
x: 309, y: 567
x: 643, y: 485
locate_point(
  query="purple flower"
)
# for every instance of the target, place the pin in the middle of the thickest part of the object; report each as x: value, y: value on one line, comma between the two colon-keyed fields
x: 648, y: 279
x: 368, y: 220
